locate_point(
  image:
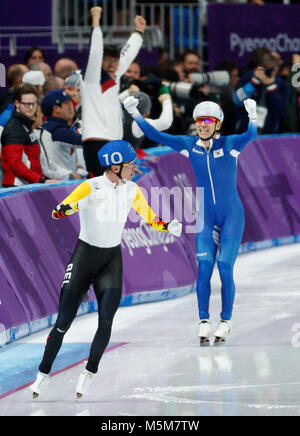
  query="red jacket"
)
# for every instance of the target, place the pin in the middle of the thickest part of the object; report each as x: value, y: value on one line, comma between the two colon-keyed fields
x: 20, y: 153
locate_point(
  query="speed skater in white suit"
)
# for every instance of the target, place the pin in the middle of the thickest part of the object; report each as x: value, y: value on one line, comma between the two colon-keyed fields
x: 97, y: 257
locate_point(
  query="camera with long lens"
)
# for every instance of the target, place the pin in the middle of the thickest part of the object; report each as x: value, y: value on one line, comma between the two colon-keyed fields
x: 150, y: 86
x: 184, y: 90
x: 126, y: 82
x: 269, y: 71
x: 218, y: 79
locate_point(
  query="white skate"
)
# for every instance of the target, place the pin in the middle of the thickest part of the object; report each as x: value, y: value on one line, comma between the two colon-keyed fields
x: 84, y: 383
x: 222, y: 332
x: 205, y: 329
x: 39, y: 385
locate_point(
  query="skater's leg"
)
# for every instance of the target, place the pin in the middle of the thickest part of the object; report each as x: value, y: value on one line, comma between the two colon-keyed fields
x: 68, y: 306
x: 228, y: 253
x: 75, y: 286
x: 206, y: 254
x: 231, y: 235
x: 108, y: 290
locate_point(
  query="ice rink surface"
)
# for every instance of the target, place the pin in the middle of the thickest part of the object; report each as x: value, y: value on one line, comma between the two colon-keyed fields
x: 155, y: 367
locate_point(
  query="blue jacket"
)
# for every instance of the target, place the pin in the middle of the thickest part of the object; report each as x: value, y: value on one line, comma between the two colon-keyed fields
x: 59, y: 141
x: 61, y: 132
x: 6, y: 114
x: 274, y: 97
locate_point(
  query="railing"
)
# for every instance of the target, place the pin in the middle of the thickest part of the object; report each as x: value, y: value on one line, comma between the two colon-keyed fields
x: 176, y: 27
x: 62, y: 37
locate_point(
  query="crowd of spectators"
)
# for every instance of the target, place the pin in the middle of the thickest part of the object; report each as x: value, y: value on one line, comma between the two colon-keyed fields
x: 47, y: 100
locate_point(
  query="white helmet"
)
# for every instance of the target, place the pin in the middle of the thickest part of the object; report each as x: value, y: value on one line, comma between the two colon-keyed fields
x: 208, y: 109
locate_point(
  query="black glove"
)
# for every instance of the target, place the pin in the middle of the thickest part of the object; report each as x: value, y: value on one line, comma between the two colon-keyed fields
x: 64, y: 210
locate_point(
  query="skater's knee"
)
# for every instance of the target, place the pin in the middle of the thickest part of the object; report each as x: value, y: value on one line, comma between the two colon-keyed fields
x: 224, y: 265
x: 105, y: 324
x: 225, y: 269
x: 62, y: 325
x: 205, y: 268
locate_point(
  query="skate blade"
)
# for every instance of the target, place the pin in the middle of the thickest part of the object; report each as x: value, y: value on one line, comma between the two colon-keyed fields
x: 219, y: 341
x: 204, y: 342
x: 35, y: 395
x: 79, y: 396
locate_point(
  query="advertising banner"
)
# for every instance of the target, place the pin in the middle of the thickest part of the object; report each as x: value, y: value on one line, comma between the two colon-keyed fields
x: 35, y: 249
x: 234, y: 31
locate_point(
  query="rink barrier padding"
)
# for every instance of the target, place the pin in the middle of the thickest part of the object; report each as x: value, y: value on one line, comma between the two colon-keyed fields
x: 36, y: 249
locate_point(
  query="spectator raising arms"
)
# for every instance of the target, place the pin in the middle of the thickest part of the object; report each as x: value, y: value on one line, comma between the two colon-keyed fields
x: 101, y: 111
x: 271, y: 93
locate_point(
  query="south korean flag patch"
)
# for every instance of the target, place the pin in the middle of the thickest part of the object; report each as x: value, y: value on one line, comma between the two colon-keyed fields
x: 218, y: 153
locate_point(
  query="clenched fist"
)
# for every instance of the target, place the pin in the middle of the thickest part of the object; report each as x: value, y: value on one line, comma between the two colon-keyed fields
x: 130, y: 104
x: 250, y: 106
x: 140, y: 23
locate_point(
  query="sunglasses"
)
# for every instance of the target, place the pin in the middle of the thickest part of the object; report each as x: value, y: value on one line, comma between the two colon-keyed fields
x: 207, y: 120
x: 129, y: 164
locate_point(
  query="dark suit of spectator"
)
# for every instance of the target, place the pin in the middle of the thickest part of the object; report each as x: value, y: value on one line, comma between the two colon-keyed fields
x: 274, y: 98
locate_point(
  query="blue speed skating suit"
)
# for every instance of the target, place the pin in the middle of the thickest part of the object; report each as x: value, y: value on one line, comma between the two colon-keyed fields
x: 215, y: 171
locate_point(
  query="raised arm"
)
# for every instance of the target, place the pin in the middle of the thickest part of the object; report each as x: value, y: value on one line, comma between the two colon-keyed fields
x: 177, y: 142
x: 238, y: 142
x: 93, y: 70
x: 162, y: 123
x: 130, y: 50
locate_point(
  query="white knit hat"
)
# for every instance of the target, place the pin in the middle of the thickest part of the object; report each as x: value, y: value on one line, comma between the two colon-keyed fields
x: 34, y: 78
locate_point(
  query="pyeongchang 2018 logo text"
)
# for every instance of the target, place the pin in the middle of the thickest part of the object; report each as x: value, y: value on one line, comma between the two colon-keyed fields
x: 280, y: 43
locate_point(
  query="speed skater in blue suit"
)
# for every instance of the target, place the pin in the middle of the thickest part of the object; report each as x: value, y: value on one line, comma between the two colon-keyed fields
x: 214, y: 160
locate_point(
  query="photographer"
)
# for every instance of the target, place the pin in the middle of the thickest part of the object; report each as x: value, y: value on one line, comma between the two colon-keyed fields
x: 134, y: 70
x: 271, y: 93
x: 226, y: 93
x: 202, y: 87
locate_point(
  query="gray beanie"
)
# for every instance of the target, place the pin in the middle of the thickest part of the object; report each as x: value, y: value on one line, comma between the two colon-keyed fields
x: 73, y: 79
x: 145, y: 103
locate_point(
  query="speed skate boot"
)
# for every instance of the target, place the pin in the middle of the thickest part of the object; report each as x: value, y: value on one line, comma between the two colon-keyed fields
x: 222, y: 332
x: 205, y: 329
x: 84, y: 383
x: 39, y: 385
